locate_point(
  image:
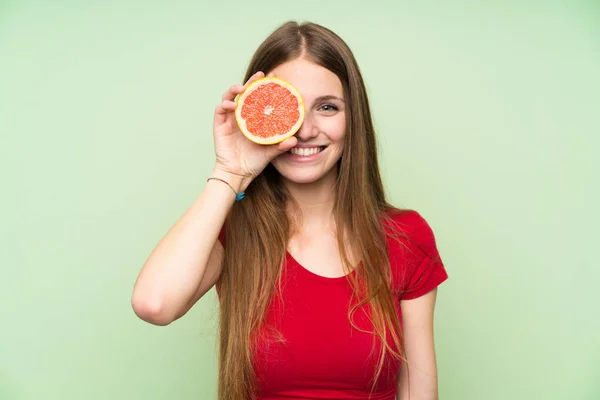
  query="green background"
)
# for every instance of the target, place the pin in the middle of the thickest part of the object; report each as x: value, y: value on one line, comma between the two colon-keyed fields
x: 488, y: 118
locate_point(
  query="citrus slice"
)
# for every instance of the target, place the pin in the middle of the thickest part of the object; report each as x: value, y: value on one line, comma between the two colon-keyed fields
x: 269, y: 111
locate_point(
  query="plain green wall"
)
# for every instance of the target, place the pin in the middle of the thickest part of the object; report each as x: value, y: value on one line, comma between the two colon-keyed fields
x: 488, y: 116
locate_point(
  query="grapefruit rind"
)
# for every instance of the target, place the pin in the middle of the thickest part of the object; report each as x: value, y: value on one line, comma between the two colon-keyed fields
x: 272, y: 139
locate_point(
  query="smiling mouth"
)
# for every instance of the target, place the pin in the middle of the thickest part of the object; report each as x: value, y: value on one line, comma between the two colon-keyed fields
x: 306, y: 151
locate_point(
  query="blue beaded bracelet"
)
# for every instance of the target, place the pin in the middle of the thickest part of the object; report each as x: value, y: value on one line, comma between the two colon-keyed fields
x: 238, y: 196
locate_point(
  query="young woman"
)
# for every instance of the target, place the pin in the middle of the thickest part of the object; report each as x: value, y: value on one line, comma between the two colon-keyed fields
x: 325, y: 290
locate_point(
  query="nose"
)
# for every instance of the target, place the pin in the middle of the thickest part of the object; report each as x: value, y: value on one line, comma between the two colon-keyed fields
x: 308, y: 129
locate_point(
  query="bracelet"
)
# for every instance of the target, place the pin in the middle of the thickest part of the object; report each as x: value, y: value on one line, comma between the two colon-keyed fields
x: 238, y: 196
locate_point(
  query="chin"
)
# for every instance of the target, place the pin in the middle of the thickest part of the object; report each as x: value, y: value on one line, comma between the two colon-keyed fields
x: 301, y: 177
x: 304, y: 175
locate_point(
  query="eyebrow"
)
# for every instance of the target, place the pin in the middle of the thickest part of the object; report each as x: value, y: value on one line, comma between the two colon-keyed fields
x: 328, y: 97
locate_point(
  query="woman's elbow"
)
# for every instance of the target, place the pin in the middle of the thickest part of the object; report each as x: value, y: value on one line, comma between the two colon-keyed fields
x: 150, y: 309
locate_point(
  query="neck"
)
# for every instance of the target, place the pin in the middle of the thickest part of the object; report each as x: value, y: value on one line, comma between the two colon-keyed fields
x: 315, y: 203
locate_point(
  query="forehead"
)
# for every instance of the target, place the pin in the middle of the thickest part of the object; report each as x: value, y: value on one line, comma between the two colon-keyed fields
x: 310, y: 79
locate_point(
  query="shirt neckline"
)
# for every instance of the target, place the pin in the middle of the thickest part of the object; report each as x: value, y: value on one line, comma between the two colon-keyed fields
x: 316, y: 276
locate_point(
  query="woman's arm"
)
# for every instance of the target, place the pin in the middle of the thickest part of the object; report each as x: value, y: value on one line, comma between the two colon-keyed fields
x: 187, y: 261
x: 418, y: 379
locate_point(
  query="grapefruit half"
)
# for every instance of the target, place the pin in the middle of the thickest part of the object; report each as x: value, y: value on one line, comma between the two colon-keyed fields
x: 269, y: 111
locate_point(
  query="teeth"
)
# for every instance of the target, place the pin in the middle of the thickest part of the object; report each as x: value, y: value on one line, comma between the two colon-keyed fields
x: 305, y: 152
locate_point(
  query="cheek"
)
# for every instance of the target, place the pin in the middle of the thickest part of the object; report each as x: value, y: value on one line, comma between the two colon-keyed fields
x: 334, y: 127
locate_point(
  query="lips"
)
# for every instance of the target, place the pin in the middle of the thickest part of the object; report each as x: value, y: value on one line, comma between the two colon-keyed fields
x: 306, y: 151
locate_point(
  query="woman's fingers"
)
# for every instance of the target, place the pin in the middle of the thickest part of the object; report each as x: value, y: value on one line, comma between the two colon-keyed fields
x: 228, y: 104
x: 232, y: 92
x: 277, y: 149
x: 287, y: 144
x: 254, y: 77
x: 221, y: 111
x: 235, y: 90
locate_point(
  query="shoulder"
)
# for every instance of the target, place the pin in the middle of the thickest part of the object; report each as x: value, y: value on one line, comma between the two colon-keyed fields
x: 410, y: 229
x: 415, y: 262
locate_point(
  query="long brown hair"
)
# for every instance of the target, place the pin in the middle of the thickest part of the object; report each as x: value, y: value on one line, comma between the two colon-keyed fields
x: 255, y: 244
